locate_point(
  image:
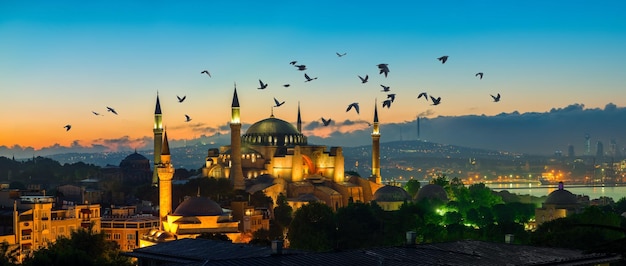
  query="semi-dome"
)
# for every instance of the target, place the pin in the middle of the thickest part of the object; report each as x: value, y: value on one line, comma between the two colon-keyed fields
x: 561, y: 197
x: 391, y: 194
x: 198, y: 206
x: 273, y: 132
x: 432, y: 191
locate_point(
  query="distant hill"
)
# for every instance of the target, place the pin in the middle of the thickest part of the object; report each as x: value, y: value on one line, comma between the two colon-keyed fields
x: 193, y: 157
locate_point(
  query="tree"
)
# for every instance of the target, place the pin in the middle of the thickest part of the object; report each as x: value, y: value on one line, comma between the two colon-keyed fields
x: 9, y: 254
x: 358, y: 227
x: 412, y: 186
x: 313, y: 228
x: 283, y: 213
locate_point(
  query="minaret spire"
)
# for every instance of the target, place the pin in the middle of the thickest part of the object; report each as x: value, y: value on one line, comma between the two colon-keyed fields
x: 236, y: 171
x: 299, y: 123
x: 165, y: 170
x: 158, y: 139
x: 376, y: 148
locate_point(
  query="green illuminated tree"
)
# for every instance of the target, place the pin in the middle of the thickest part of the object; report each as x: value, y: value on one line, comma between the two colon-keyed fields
x: 313, y: 228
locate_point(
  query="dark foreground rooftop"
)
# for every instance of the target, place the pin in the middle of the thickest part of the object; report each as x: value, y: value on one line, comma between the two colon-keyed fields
x: 195, y: 252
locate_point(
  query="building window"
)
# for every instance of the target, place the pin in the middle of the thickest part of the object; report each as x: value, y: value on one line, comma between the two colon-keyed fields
x: 117, y: 236
x: 130, y: 236
x: 107, y: 236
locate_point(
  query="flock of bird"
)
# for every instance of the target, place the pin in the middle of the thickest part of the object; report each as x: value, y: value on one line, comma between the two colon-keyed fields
x: 382, y: 68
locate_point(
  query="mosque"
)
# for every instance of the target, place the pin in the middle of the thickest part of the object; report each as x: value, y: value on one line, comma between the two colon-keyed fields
x: 272, y: 156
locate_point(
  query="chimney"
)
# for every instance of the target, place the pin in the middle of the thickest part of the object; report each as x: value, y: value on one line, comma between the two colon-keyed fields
x: 410, y: 237
x: 509, y: 238
x: 277, y: 247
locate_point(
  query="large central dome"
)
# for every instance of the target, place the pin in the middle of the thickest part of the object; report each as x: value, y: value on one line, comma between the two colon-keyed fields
x: 273, y: 132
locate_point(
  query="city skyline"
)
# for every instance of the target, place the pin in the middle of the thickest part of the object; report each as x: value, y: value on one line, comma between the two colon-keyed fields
x: 62, y: 61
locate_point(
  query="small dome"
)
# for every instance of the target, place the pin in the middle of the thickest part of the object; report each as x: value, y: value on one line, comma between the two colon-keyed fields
x: 273, y: 132
x: 432, y: 191
x: 561, y: 197
x: 135, y: 157
x: 391, y: 194
x: 198, y: 206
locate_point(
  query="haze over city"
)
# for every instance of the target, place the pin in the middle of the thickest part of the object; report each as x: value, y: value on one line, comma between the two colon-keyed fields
x: 557, y: 66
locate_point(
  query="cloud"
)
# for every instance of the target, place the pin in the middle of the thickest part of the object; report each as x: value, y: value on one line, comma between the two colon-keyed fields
x: 532, y: 132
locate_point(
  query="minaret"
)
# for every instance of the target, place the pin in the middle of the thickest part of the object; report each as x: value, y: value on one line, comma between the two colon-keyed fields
x: 165, y: 171
x: 376, y: 149
x: 158, y: 140
x: 236, y: 173
x: 299, y: 123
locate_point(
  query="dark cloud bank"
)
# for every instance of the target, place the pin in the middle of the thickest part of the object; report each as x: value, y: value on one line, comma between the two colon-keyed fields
x: 531, y: 133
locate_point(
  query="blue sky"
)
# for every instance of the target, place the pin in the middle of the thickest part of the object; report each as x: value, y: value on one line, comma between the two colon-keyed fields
x: 60, y: 60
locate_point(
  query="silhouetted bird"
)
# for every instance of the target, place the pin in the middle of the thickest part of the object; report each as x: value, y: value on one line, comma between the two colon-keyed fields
x: 95, y: 113
x: 383, y: 69
x: 308, y: 78
x: 364, y: 80
x: 436, y: 101
x: 355, y: 105
x: 391, y: 96
x: 496, y: 98
x: 187, y: 118
x: 180, y: 100
x: 479, y: 74
x: 111, y: 110
x: 423, y: 94
x: 443, y: 59
x: 286, y: 85
x: 67, y: 127
x: 340, y: 55
x: 293, y: 62
x: 263, y: 85
x: 301, y: 67
x: 326, y: 122
x: 206, y: 72
x: 278, y: 103
x: 387, y: 103
x: 385, y: 88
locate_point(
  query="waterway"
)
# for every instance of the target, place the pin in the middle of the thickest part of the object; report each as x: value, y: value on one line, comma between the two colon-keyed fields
x: 594, y: 192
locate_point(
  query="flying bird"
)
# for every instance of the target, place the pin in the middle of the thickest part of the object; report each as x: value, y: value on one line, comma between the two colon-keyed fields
x: 383, y: 69
x: 187, y: 118
x: 326, y: 122
x: 355, y: 105
x: 391, y: 96
x: 479, y: 74
x: 95, y: 113
x: 496, y: 98
x: 443, y: 59
x: 364, y: 80
x: 293, y: 62
x: 206, y: 72
x: 67, y: 127
x: 301, y: 67
x: 423, y: 94
x: 308, y: 78
x: 109, y: 109
x: 340, y: 55
x: 387, y: 103
x: 263, y: 85
x: 286, y: 85
x: 385, y: 88
x: 180, y: 100
x: 436, y: 101
x: 278, y: 103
